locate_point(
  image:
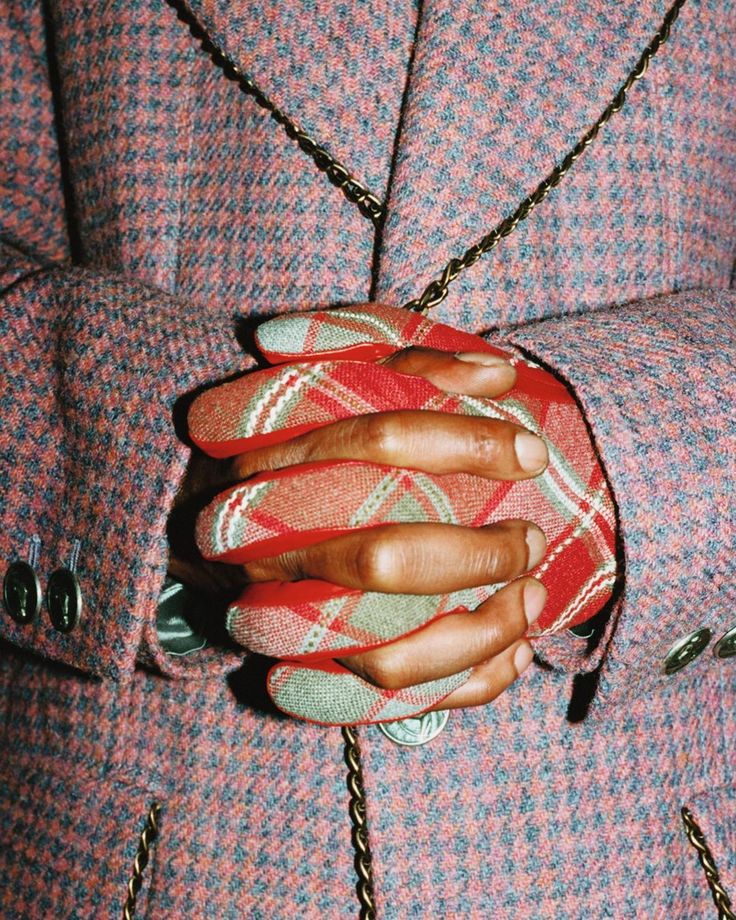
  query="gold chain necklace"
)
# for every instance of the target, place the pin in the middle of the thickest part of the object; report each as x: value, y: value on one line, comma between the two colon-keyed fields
x: 369, y: 204
x: 433, y: 294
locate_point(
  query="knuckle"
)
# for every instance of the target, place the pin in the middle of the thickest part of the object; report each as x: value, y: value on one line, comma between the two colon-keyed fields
x: 382, y: 434
x: 375, y: 562
x: 508, y: 550
x: 489, y: 692
x: 503, y: 559
x: 487, y: 447
x: 386, y: 669
x: 491, y: 688
x: 407, y: 359
x: 492, y: 637
x: 293, y: 564
x: 238, y: 467
x: 286, y: 567
x: 252, y: 571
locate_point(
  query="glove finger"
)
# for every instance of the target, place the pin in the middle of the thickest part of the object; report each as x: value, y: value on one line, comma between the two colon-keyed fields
x: 312, y: 620
x: 289, y: 509
x: 330, y: 694
x: 276, y: 404
x: 364, y: 333
x: 372, y: 332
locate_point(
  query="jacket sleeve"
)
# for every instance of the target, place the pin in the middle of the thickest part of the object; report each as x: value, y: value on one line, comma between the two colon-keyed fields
x: 92, y: 365
x: 657, y: 384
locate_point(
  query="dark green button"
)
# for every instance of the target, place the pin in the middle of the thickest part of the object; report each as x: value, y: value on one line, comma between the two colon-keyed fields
x: 21, y: 592
x: 686, y: 650
x: 64, y: 600
x: 726, y: 645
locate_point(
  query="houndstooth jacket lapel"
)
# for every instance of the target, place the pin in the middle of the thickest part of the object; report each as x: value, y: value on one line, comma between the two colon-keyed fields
x: 338, y: 70
x: 451, y: 112
x: 499, y: 93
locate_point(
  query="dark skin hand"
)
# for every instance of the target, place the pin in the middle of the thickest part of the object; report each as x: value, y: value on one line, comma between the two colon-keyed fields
x: 416, y: 558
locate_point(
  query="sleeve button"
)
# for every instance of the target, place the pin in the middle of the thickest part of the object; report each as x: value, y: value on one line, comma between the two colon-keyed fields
x: 726, y: 645
x: 686, y: 650
x: 21, y: 592
x: 64, y: 600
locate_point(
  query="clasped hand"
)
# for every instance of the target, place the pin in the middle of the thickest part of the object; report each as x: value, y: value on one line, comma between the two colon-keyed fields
x: 421, y: 549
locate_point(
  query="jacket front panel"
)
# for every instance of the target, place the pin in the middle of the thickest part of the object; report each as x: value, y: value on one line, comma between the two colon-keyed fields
x: 202, y: 193
x: 177, y: 183
x: 511, y: 807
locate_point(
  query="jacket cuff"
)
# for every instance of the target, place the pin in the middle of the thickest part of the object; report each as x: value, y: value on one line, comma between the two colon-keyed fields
x: 655, y: 380
x: 96, y: 364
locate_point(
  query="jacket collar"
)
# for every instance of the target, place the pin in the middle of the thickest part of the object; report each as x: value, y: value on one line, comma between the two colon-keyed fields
x: 498, y: 93
x: 337, y: 69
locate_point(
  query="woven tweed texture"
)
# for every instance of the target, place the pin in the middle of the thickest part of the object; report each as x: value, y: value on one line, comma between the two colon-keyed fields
x: 171, y: 205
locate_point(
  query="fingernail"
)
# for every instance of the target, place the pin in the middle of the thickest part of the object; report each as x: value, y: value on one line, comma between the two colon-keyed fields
x: 537, y: 544
x: 531, y: 452
x: 535, y: 597
x: 482, y: 358
x: 523, y: 657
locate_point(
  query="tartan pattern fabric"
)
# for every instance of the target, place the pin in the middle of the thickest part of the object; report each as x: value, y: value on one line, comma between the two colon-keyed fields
x: 348, y: 331
x: 306, y: 621
x: 679, y: 513
x: 277, y: 512
x: 335, y: 696
x: 282, y: 402
x: 189, y: 207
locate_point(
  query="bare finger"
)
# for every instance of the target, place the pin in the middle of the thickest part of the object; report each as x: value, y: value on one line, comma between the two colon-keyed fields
x: 488, y: 681
x: 412, y: 558
x: 471, y: 373
x: 433, y: 442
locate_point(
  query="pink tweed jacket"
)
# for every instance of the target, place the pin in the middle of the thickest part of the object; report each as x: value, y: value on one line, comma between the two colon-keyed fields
x: 148, y: 205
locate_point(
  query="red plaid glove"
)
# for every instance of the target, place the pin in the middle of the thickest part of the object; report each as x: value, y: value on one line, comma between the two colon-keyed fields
x: 310, y: 623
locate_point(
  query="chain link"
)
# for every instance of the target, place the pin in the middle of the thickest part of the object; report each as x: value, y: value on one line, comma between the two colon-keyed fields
x: 437, y: 290
x: 371, y: 207
x: 363, y: 860
x: 148, y: 835
x: 366, y: 202
x: 697, y: 838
